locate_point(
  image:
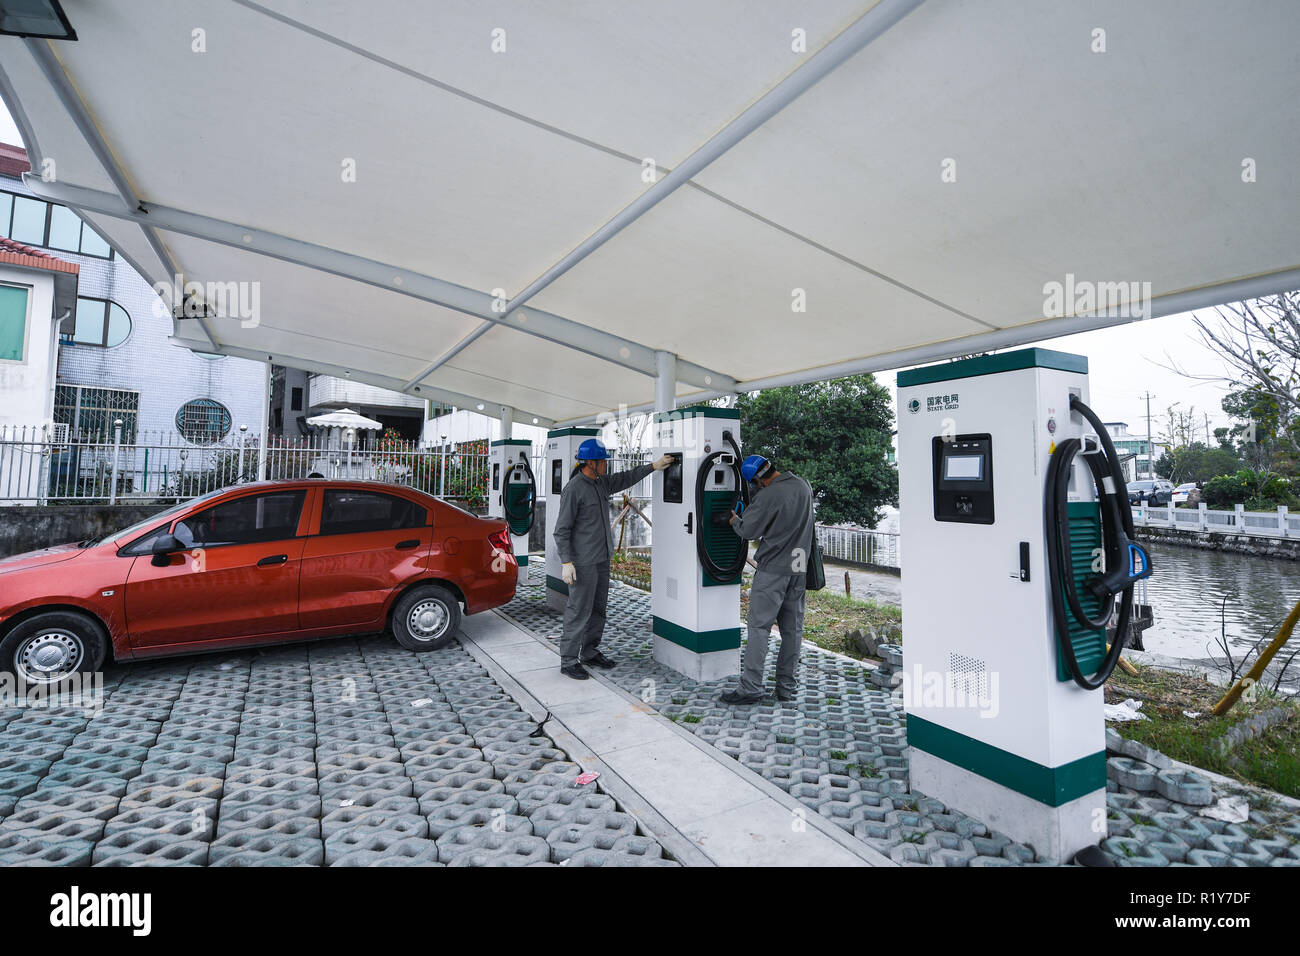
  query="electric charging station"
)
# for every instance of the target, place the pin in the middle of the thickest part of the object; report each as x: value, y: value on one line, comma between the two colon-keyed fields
x: 698, y: 560
x: 1001, y: 531
x: 561, y: 449
x: 513, y: 494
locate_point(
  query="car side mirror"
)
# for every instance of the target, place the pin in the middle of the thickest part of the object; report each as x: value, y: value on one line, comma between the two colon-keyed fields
x: 164, y: 546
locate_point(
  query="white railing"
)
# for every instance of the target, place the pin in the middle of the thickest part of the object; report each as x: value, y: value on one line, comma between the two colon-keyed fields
x: 43, y: 465
x: 860, y: 546
x: 1278, y: 524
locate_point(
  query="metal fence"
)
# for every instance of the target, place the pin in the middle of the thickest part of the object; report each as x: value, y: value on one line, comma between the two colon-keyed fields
x: 860, y: 546
x: 1278, y: 524
x: 47, y: 465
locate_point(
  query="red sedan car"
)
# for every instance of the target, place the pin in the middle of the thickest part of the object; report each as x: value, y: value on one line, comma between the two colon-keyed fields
x: 263, y: 563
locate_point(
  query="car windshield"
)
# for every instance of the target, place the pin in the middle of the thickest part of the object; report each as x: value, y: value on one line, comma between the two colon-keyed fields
x: 129, y: 532
x: 1142, y: 485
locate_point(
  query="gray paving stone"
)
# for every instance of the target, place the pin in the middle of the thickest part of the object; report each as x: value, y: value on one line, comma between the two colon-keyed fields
x: 259, y: 848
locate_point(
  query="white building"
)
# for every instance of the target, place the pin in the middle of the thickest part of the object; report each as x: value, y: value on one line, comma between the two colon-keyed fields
x: 38, y: 292
x: 462, y: 425
x: 114, y: 357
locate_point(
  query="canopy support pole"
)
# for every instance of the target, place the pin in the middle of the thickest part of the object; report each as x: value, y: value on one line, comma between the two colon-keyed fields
x: 665, y: 381
x: 263, y: 452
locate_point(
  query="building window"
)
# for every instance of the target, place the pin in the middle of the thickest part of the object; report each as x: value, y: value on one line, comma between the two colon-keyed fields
x: 99, y: 322
x: 89, y: 413
x: 39, y: 223
x: 296, y: 402
x: 203, y: 421
x: 13, y: 323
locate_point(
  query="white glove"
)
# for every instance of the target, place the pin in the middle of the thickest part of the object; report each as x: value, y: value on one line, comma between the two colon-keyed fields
x: 662, y: 463
x: 569, y: 573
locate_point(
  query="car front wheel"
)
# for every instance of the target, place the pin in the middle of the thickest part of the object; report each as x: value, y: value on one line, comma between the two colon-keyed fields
x: 50, y: 647
x: 426, y: 618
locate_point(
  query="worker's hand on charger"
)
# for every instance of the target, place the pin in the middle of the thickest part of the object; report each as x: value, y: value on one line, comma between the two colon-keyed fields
x: 569, y: 573
x: 663, y: 463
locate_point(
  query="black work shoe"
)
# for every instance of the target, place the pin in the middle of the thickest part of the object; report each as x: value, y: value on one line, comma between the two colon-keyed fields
x: 736, y: 697
x: 598, y: 660
x: 576, y: 671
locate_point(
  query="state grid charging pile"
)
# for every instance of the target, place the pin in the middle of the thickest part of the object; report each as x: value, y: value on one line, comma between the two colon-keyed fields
x: 1015, y: 562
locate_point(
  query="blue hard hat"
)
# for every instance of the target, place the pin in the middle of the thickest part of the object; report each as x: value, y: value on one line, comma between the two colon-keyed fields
x: 592, y: 450
x: 755, y: 466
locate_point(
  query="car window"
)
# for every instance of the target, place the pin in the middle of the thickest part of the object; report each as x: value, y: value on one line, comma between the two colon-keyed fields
x: 346, y: 511
x: 139, y: 546
x: 247, y: 520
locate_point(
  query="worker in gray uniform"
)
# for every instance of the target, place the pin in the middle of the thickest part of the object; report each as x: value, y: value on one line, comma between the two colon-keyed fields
x: 780, y: 517
x: 585, y: 543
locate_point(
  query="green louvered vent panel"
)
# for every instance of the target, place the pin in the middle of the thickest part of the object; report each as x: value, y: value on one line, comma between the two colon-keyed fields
x: 720, y: 541
x: 1085, y: 538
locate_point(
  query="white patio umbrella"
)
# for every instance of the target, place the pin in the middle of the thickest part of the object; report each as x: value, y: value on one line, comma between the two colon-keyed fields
x: 343, y: 418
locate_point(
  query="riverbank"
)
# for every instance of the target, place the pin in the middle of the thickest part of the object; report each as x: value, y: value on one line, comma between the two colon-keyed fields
x: 1256, y: 546
x: 1256, y: 742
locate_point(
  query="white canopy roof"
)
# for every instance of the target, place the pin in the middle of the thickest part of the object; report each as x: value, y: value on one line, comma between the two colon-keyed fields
x: 913, y: 179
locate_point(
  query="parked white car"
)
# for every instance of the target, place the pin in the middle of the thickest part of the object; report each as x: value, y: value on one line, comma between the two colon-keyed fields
x: 1182, y: 492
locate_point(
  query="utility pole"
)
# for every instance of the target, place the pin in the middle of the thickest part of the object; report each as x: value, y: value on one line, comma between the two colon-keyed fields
x: 1151, y: 465
x: 1207, y: 429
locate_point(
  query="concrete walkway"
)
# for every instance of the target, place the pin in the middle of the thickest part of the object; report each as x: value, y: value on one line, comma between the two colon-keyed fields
x: 702, y: 801
x: 865, y: 585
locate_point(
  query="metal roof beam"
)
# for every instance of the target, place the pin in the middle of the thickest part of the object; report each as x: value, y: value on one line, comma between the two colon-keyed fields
x: 1173, y: 303
x: 544, y: 325
x: 847, y: 44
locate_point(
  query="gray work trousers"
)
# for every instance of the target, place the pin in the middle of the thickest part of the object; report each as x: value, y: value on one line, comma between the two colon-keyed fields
x: 584, y: 613
x: 774, y: 598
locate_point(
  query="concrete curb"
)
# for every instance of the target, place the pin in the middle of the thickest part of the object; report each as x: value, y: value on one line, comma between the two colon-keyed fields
x: 650, y: 820
x: 853, y: 845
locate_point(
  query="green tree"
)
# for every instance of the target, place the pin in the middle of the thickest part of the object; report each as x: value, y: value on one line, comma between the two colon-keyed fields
x: 1196, y: 462
x: 836, y: 434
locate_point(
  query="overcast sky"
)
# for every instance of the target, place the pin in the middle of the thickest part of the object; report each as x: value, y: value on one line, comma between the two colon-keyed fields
x: 1124, y: 361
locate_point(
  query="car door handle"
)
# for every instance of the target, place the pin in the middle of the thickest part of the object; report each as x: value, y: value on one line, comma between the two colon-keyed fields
x: 408, y: 544
x: 273, y: 559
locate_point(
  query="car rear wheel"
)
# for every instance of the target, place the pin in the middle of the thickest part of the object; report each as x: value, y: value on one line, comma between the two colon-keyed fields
x: 50, y: 647
x: 426, y: 618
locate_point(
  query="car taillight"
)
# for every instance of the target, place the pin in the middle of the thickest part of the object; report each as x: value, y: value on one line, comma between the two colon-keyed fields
x: 500, y: 540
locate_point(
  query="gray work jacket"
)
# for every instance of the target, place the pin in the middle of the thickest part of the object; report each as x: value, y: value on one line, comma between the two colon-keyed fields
x: 582, y: 532
x: 781, y: 517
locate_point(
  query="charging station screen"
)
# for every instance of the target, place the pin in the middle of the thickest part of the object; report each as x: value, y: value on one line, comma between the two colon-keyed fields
x: 963, y: 467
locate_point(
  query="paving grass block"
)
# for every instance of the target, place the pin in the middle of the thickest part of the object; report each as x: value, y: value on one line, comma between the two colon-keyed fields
x: 495, y: 809
x: 1132, y: 773
x: 1184, y: 786
x: 168, y: 853
x: 198, y: 826
x: 588, y: 828
x: 1210, y: 857
x: 408, y: 852
x: 256, y: 848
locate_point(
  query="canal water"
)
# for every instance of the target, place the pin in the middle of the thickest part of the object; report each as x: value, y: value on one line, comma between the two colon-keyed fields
x: 1199, y: 595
